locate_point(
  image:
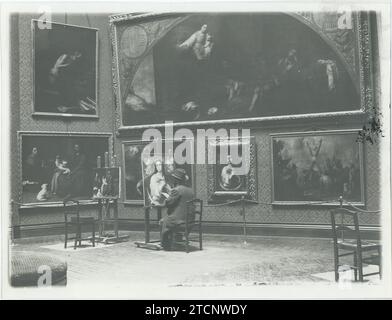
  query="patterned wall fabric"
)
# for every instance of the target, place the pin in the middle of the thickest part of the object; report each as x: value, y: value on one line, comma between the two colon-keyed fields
x: 21, y: 96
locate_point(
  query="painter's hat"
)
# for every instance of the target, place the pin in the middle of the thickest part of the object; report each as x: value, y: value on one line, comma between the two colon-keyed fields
x: 179, y: 175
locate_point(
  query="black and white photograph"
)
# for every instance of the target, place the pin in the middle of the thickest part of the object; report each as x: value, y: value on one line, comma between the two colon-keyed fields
x: 65, y: 69
x: 194, y: 150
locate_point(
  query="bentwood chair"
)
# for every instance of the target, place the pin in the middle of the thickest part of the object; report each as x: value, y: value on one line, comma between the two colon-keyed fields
x: 347, y: 239
x: 193, y: 223
x: 74, y: 220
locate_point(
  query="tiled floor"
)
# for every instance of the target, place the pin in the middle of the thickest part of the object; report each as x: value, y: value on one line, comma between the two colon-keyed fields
x: 225, y: 260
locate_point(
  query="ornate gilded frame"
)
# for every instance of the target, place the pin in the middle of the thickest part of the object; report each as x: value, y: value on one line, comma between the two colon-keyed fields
x: 361, y: 67
x: 221, y: 196
x: 64, y: 115
x: 21, y: 134
x: 318, y: 133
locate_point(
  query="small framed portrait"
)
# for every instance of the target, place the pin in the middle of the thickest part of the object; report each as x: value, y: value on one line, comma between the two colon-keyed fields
x: 232, y: 173
x: 65, y: 61
x: 317, y: 168
x: 106, y: 182
x: 55, y: 166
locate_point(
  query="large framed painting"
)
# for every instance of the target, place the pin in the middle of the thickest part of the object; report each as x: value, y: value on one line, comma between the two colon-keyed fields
x: 65, y: 63
x: 317, y: 168
x: 142, y: 167
x: 239, y: 67
x: 106, y: 182
x: 231, y: 169
x: 55, y: 166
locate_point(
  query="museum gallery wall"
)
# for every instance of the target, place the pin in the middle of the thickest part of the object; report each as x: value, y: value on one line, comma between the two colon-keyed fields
x: 241, y: 77
x: 54, y: 133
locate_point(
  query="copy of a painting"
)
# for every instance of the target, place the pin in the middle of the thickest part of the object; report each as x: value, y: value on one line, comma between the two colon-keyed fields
x: 146, y: 177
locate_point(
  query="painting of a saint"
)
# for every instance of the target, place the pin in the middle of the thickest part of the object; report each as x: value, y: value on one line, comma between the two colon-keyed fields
x: 65, y: 70
x: 233, y: 174
x: 229, y: 180
x: 156, y: 186
x: 230, y: 66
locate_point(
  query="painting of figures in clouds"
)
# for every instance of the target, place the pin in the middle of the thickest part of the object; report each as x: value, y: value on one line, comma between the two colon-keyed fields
x: 200, y: 67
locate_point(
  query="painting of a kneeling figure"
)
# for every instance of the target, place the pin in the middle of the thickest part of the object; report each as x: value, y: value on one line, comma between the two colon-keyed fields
x: 65, y: 60
x: 317, y: 167
x: 200, y: 67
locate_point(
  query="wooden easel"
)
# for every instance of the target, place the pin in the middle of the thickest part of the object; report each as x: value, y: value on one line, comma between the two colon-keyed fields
x: 105, y: 217
x: 148, y: 244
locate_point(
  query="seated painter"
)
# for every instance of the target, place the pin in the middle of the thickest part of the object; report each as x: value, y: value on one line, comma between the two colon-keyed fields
x: 176, y: 205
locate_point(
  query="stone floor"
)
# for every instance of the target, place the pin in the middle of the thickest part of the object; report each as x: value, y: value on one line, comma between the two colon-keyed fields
x: 226, y: 260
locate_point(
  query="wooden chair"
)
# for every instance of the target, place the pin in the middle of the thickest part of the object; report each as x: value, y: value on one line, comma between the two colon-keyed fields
x: 193, y: 223
x: 346, y: 238
x: 73, y: 219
